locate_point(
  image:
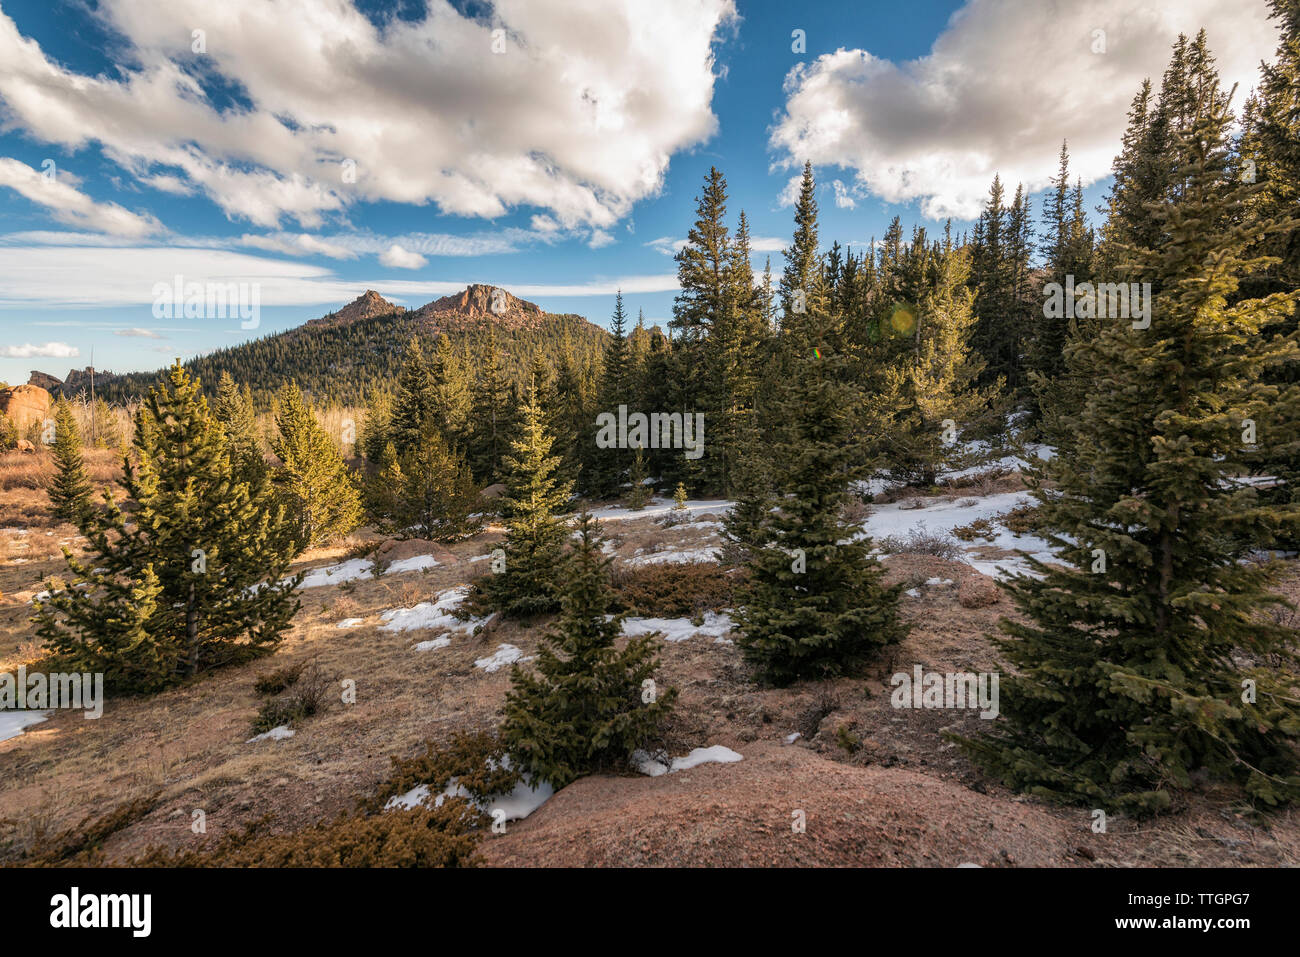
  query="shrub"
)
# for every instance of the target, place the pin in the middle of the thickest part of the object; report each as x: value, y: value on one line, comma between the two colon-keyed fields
x: 921, y: 541
x: 306, y: 699
x: 445, y: 836
x: 278, y: 680
x: 673, y: 590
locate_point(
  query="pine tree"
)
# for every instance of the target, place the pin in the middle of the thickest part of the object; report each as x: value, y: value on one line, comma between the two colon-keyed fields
x: 604, y: 473
x: 490, y: 433
x: 814, y: 605
x: 194, y: 579
x: 318, y: 489
x: 1129, y: 671
x: 929, y: 396
x: 426, y: 492
x: 588, y: 704
x: 233, y: 409
x: 108, y: 434
x: 450, y: 393
x: 639, y: 493
x: 802, y: 290
x: 377, y: 426
x: 70, y: 489
x: 414, y: 404
x: 531, y: 583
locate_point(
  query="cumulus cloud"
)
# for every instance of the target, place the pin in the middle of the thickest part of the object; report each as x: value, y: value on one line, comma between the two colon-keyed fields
x: 577, y: 114
x: 396, y: 257
x: 58, y: 193
x: 1004, y: 83
x: 49, y: 350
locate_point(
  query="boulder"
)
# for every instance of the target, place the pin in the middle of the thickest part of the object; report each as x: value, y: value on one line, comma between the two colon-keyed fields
x: 25, y: 404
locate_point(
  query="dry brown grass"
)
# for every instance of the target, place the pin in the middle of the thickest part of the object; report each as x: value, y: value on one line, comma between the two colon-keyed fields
x: 189, y: 744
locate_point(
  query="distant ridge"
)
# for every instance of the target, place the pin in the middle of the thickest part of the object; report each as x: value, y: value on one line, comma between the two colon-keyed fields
x: 346, y: 354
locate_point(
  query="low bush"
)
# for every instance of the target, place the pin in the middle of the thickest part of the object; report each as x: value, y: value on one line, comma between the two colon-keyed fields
x: 673, y: 590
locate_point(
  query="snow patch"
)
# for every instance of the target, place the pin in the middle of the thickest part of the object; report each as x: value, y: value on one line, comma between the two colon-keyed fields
x: 441, y: 641
x: 434, y: 614
x: 13, y: 723
x: 715, y: 626
x: 504, y: 655
x: 349, y: 623
x: 647, y: 764
x: 362, y: 569
x: 275, y: 734
x: 517, y: 804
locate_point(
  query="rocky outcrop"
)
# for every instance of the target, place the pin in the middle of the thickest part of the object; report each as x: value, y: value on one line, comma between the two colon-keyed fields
x: 25, y: 404
x: 365, y: 306
x: 479, y: 304
x: 43, y: 380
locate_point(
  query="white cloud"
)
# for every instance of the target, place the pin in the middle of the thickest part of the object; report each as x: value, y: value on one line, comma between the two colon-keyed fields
x: 578, y: 116
x: 68, y: 205
x: 61, y: 275
x: 599, y: 239
x: 757, y: 244
x: 297, y: 245
x: 1004, y: 83
x: 51, y: 350
x: 138, y: 333
x: 395, y: 257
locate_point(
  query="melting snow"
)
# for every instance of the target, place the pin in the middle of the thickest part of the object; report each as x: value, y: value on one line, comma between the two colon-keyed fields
x: 275, y: 734
x: 349, y: 623
x: 12, y: 723
x: 440, y: 642
x: 361, y: 569
x: 715, y: 626
x: 659, y: 507
x: 434, y: 614
x: 717, y: 754
x: 504, y: 655
x: 516, y: 805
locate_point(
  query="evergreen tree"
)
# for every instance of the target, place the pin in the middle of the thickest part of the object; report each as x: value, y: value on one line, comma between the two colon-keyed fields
x: 639, y: 493
x: 604, y: 474
x: 426, y: 492
x: 194, y: 579
x: 70, y: 488
x: 1129, y: 672
x: 814, y: 605
x: 233, y: 409
x: 532, y: 581
x: 802, y: 291
x: 108, y: 434
x: 377, y: 426
x: 318, y: 489
x: 451, y: 403
x: 588, y: 705
x: 930, y: 395
x: 490, y: 433
x: 415, y: 402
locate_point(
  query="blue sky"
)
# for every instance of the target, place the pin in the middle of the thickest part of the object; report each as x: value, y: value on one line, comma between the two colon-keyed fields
x: 553, y: 147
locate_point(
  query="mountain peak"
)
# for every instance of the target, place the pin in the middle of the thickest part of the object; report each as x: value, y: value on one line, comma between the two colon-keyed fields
x: 368, y: 304
x: 480, y: 302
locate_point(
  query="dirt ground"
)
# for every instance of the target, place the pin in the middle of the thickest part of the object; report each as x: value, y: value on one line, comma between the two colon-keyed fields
x: 870, y: 784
